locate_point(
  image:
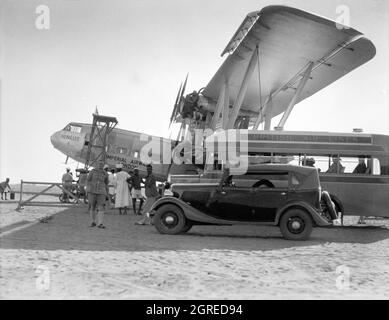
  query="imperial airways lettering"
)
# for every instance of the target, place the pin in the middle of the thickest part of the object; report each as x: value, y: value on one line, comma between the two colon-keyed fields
x: 174, y: 311
x: 131, y: 164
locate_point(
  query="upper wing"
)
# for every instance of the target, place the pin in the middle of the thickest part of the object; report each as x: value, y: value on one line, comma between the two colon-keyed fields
x: 288, y: 40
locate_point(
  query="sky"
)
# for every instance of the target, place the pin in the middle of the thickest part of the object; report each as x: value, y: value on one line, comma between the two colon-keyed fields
x: 128, y: 58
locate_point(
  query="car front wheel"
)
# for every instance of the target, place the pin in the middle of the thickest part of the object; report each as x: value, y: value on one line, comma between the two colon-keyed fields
x: 169, y: 219
x: 296, y: 224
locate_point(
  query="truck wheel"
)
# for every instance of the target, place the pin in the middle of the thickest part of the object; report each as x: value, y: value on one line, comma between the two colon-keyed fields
x: 169, y: 219
x: 296, y: 224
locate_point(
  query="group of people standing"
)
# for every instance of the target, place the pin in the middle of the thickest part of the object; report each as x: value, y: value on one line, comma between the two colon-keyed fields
x: 102, y: 187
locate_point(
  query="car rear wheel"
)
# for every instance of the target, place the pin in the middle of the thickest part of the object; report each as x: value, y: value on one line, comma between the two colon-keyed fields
x: 169, y: 219
x: 296, y: 224
x: 329, y: 206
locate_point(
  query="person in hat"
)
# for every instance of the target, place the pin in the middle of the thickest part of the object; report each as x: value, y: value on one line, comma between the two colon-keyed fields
x: 97, y: 194
x: 361, y: 168
x: 122, y: 198
x: 67, y: 180
x: 151, y: 194
x: 335, y: 165
x: 136, y: 192
x: 310, y: 162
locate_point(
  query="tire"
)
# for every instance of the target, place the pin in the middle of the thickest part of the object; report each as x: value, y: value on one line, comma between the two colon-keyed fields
x: 188, y: 226
x: 296, y: 224
x: 330, y: 206
x: 61, y: 199
x: 169, y: 219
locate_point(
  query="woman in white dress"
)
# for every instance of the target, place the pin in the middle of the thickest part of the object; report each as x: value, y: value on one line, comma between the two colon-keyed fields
x: 122, y: 199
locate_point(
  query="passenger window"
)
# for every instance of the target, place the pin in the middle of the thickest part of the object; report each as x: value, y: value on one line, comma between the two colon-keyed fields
x: 121, y: 150
x: 359, y: 165
x: 376, y: 170
x: 75, y: 129
x: 354, y: 165
x: 260, y: 158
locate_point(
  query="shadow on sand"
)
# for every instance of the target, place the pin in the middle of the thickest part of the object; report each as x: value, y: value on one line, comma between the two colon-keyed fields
x: 69, y: 230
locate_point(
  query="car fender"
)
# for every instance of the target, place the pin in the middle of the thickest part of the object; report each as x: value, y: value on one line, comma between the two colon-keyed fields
x: 316, y: 217
x: 189, y: 212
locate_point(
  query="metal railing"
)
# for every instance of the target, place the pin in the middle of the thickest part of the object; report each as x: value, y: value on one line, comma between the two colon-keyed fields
x: 29, y: 201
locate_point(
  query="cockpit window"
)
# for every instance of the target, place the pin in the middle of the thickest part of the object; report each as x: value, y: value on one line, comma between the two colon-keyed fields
x: 72, y: 128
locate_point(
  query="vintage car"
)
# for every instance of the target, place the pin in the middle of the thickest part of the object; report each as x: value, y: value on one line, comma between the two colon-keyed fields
x: 280, y: 195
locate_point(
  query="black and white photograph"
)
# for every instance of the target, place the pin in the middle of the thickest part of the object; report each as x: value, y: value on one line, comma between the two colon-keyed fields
x: 190, y: 150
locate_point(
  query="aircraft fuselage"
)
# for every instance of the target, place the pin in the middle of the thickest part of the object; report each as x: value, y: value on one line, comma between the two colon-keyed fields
x: 123, y: 147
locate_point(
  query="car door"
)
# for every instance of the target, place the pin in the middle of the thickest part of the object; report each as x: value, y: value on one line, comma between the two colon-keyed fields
x: 232, y: 203
x: 267, y: 200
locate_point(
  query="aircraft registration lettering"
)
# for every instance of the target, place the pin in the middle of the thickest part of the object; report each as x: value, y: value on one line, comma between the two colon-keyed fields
x: 70, y: 137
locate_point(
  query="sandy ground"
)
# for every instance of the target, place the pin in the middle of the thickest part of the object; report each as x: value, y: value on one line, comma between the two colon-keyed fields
x: 65, y: 259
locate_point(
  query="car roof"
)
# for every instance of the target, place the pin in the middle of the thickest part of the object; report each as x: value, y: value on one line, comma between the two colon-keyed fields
x: 281, y: 167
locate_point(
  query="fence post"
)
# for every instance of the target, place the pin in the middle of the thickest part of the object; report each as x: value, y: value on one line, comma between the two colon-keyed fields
x: 20, y: 195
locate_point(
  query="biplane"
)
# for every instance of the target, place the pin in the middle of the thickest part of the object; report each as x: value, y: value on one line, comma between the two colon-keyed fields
x: 278, y: 57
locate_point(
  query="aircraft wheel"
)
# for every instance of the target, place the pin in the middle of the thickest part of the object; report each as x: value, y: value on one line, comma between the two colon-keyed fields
x: 296, y: 224
x: 61, y: 198
x: 169, y: 219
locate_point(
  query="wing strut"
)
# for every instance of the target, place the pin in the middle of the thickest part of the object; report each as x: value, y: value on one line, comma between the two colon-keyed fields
x: 261, y: 107
x: 268, y: 113
x: 226, y: 110
x: 219, y: 106
x: 242, y: 90
x: 292, y: 103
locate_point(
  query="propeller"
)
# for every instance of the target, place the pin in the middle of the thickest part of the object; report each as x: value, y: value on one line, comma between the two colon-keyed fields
x: 179, y: 101
x: 183, y: 92
x: 177, y: 141
x: 174, y: 113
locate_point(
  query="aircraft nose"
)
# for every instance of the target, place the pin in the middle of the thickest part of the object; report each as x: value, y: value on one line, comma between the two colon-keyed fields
x: 54, y: 139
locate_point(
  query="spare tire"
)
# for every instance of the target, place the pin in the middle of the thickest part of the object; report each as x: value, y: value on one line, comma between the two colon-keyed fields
x: 329, y: 205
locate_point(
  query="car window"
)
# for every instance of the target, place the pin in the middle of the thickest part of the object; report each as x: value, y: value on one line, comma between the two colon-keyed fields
x: 265, y: 180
